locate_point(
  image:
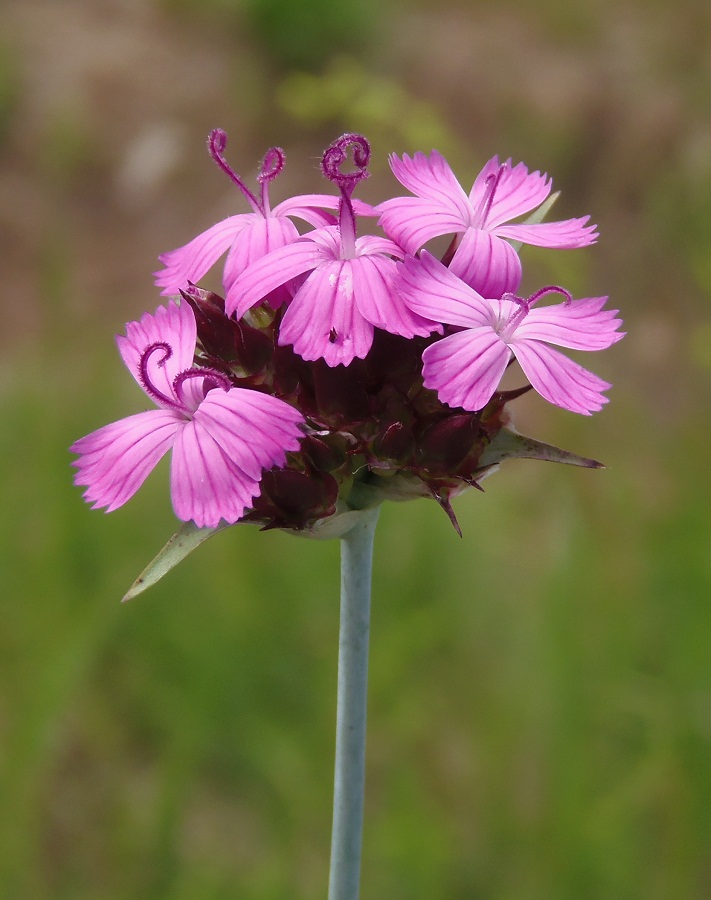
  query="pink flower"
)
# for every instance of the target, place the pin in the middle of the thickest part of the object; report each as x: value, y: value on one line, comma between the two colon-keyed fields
x: 245, y: 237
x: 223, y: 437
x: 465, y: 368
x: 349, y: 288
x: 482, y: 258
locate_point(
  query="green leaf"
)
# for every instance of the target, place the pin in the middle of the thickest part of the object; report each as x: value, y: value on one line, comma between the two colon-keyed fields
x: 186, y: 539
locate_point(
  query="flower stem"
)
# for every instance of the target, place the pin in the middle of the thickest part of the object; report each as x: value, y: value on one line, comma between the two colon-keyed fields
x: 347, y: 834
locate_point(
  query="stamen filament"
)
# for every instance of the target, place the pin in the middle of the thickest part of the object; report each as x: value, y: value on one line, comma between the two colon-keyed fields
x: 333, y: 158
x: 218, y: 379
x: 216, y: 143
x: 550, y: 289
x: 272, y: 164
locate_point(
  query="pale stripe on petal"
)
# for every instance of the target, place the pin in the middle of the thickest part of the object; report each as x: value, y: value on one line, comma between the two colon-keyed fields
x: 560, y: 380
x: 255, y: 430
x: 432, y: 179
x: 465, y: 368
x: 565, y: 235
x: 206, y: 485
x: 580, y: 325
x: 115, y: 460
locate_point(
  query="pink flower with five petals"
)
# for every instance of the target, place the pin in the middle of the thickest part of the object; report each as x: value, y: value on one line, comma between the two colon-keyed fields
x: 482, y: 255
x: 223, y: 437
x: 465, y: 368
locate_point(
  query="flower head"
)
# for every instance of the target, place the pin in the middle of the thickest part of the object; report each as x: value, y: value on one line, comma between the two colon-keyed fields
x: 222, y: 436
x: 465, y: 368
x: 348, y: 289
x: 245, y: 237
x: 482, y: 257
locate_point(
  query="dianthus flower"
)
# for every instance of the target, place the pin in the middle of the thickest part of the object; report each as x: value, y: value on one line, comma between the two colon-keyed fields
x: 222, y: 436
x: 369, y: 371
x: 481, y: 254
x: 465, y: 368
x: 245, y: 237
x: 348, y: 290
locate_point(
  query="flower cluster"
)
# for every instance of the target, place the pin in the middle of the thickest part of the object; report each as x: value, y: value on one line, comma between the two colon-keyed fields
x: 338, y: 369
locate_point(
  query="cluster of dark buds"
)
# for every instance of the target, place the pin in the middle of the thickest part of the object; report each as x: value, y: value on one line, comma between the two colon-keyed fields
x: 340, y: 370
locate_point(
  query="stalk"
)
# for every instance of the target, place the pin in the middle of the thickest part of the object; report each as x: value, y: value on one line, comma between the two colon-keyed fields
x: 349, y: 779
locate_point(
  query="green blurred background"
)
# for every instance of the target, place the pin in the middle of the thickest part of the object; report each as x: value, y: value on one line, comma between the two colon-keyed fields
x: 540, y: 697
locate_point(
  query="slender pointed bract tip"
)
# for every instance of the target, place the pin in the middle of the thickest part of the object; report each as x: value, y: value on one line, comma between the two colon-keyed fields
x: 186, y: 539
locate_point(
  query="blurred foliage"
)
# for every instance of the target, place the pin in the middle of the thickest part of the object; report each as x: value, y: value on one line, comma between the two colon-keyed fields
x: 348, y: 92
x: 10, y: 90
x: 540, y: 700
x: 303, y: 35
x: 306, y: 35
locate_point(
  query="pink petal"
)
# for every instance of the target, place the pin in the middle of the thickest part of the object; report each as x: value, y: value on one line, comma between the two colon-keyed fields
x: 116, y: 460
x: 486, y: 263
x: 172, y: 324
x: 411, y: 222
x: 380, y: 303
x: 433, y: 292
x: 207, y: 486
x: 374, y: 245
x: 517, y: 192
x: 261, y: 237
x: 323, y: 321
x: 580, y: 325
x: 255, y: 430
x: 565, y: 235
x: 431, y: 178
x: 191, y: 262
x: 465, y: 368
x: 270, y: 272
x: 560, y: 380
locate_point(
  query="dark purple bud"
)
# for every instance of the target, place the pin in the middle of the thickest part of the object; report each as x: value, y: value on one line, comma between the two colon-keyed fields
x: 341, y: 392
x: 395, y: 444
x: 451, y: 446
x: 327, y: 452
x: 294, y: 500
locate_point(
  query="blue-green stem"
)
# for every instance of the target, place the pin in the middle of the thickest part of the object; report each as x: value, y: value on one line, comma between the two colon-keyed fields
x: 349, y: 782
